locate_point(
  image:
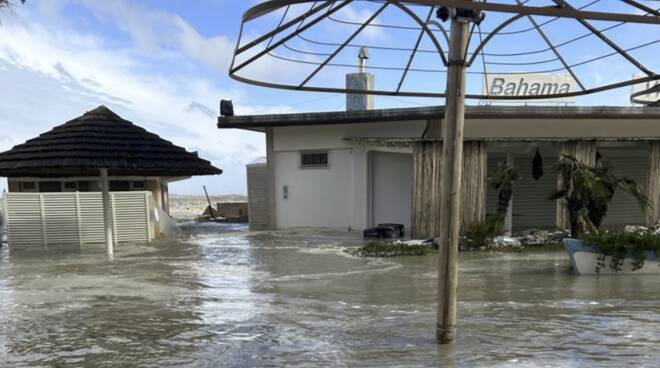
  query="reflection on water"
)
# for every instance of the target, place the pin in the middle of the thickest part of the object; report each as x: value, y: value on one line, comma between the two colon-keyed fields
x: 222, y: 296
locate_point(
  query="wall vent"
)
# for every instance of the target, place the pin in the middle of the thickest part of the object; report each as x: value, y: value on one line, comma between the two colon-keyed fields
x: 314, y: 160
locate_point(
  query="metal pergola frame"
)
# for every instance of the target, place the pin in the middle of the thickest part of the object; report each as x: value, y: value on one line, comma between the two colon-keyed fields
x: 444, y: 193
x: 562, y: 10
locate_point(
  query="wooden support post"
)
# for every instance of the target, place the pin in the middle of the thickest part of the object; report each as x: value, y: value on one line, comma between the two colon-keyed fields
x: 474, y: 183
x: 508, y: 218
x: 450, y: 195
x: 653, y: 185
x: 427, y: 159
x: 107, y: 214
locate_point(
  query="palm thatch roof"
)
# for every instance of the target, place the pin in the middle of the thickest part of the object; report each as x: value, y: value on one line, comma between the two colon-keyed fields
x: 101, y: 139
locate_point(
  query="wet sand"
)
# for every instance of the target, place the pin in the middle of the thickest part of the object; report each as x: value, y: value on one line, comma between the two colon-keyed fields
x: 222, y: 296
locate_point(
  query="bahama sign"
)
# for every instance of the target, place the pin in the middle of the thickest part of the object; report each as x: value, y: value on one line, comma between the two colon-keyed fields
x: 526, y: 85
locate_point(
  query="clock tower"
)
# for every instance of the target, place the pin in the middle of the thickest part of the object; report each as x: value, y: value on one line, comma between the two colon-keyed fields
x: 361, y: 81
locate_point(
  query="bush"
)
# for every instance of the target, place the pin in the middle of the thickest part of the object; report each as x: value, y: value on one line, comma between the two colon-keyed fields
x: 620, y: 244
x: 393, y: 249
x: 481, y: 234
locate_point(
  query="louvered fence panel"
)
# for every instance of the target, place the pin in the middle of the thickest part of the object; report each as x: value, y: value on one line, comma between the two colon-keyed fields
x: 131, y: 216
x: 60, y: 213
x: 23, y: 219
x: 70, y: 218
x: 91, y: 217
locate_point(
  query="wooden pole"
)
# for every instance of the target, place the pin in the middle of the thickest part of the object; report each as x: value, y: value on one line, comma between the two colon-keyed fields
x: 508, y: 219
x: 107, y: 214
x: 450, y: 196
x: 653, y: 184
x: 208, y: 200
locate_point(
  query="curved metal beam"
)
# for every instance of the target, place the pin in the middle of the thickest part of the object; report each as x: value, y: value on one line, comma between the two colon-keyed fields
x: 421, y: 23
x: 338, y: 50
x: 271, y: 5
x: 541, y: 11
x: 491, y: 35
x: 414, y: 52
x: 442, y: 95
x: 654, y: 89
x: 609, y: 42
x: 441, y: 28
x: 283, y: 40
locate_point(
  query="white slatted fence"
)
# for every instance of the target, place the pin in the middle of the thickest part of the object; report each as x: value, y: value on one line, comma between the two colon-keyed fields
x: 75, y: 218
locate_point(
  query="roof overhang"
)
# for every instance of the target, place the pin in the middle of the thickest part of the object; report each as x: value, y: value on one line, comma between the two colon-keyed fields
x: 260, y: 122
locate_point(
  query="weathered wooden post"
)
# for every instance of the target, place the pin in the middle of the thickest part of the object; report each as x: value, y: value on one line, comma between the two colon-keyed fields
x: 653, y: 184
x: 508, y: 218
x: 450, y: 195
x: 107, y: 214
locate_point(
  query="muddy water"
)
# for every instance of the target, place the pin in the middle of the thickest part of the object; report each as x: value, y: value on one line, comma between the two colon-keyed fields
x: 224, y: 297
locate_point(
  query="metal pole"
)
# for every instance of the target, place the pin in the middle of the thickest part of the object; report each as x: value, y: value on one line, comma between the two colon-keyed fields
x: 450, y: 195
x: 107, y: 214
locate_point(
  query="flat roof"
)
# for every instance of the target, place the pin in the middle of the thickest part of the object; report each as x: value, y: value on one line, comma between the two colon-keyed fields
x: 254, y: 122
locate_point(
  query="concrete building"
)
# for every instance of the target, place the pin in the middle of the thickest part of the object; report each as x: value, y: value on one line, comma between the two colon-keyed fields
x: 354, y: 169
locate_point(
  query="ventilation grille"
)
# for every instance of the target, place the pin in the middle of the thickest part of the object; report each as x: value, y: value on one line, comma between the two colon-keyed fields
x: 314, y: 160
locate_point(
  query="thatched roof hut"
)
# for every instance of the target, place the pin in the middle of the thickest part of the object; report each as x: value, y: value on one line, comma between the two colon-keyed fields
x: 96, y: 152
x: 101, y: 139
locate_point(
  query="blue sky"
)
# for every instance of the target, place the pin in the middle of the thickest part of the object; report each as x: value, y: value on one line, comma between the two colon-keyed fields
x: 163, y: 65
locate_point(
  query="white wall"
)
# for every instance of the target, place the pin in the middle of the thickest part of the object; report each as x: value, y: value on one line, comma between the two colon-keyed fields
x: 317, y: 197
x: 336, y: 197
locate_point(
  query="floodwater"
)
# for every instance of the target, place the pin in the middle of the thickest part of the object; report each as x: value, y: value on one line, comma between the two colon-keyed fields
x: 222, y: 296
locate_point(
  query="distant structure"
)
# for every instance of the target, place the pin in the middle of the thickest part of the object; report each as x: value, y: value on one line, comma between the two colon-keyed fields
x: 55, y: 181
x: 361, y: 81
x: 258, y: 195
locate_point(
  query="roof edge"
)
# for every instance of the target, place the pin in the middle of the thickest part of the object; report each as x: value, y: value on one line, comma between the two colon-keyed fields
x: 437, y: 112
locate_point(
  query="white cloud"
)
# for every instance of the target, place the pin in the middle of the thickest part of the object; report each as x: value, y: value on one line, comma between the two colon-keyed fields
x: 155, y: 30
x: 55, y: 74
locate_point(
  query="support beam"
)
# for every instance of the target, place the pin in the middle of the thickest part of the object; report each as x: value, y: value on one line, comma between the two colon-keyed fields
x: 427, y: 159
x: 508, y: 218
x: 270, y: 175
x: 450, y: 195
x: 653, y: 187
x: 474, y: 183
x: 107, y: 212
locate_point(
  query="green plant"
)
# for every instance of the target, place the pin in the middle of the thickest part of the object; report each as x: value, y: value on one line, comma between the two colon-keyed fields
x: 502, y: 181
x: 585, y: 187
x: 480, y: 234
x: 620, y: 244
x: 382, y: 248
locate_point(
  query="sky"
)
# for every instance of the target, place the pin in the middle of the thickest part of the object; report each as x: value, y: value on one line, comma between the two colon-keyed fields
x: 164, y: 66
